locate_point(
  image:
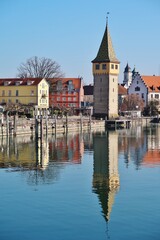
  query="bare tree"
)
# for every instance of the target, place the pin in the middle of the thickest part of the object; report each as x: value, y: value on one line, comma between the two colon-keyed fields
x: 39, y: 68
x: 132, y: 102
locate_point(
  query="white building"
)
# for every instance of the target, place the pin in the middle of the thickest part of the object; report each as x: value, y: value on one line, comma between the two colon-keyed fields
x: 147, y: 87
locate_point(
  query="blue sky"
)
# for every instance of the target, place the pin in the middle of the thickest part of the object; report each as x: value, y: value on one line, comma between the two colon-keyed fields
x: 70, y: 32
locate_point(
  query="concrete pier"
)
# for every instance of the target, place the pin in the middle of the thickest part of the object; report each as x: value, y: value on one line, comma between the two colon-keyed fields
x: 118, y: 123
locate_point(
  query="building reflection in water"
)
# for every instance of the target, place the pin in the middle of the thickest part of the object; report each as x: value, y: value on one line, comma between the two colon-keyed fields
x: 36, y: 158
x: 140, y: 146
x: 133, y: 144
x: 66, y: 148
x: 152, y: 155
x: 105, y: 169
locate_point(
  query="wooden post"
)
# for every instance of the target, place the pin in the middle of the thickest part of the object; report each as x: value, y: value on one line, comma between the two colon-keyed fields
x: 81, y: 121
x: 36, y: 124
x: 46, y: 121
x: 66, y: 122
x: 15, y: 124
x: 7, y: 123
x: 90, y: 122
x: 41, y: 126
x: 55, y: 125
x: 2, y: 124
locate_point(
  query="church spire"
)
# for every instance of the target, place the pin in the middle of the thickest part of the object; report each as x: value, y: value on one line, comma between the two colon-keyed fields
x: 106, y: 51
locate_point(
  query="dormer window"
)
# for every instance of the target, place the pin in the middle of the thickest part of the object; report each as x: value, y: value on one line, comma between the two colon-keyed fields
x: 6, y: 83
x: 29, y: 82
x: 70, y: 86
x: 152, y: 87
x: 17, y: 83
x: 59, y: 85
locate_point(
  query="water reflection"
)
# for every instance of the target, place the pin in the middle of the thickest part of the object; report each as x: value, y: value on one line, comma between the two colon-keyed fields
x: 140, y: 146
x: 152, y: 155
x: 42, y: 161
x: 65, y: 149
x: 105, y: 173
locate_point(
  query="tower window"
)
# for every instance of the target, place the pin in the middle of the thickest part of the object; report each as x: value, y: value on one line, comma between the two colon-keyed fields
x: 116, y: 66
x: 104, y: 66
x: 112, y: 66
x: 97, y: 66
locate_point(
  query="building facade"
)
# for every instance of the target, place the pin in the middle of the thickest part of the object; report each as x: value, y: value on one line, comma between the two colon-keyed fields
x: 66, y: 92
x: 105, y: 68
x: 88, y: 95
x: 122, y: 93
x: 28, y: 91
x: 146, y: 87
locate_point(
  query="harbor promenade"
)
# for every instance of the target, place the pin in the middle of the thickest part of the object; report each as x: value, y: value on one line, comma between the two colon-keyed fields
x: 41, y: 125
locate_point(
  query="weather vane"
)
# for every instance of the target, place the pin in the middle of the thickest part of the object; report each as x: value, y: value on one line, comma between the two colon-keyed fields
x: 107, y: 17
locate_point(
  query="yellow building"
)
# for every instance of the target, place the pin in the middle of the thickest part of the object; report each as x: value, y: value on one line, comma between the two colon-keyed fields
x: 28, y: 91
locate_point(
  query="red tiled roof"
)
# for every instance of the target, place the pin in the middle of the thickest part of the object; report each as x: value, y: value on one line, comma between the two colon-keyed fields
x: 12, y: 81
x: 122, y: 90
x: 76, y: 81
x: 152, y: 82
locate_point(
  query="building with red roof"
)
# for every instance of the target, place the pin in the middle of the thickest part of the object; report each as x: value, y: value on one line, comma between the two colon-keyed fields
x: 27, y: 91
x: 147, y: 87
x: 66, y: 92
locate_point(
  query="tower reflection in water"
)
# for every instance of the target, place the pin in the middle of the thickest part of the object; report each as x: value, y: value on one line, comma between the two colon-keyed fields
x: 43, y: 160
x: 105, y: 172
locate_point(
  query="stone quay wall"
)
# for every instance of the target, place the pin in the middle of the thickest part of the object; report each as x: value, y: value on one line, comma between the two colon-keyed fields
x: 20, y: 126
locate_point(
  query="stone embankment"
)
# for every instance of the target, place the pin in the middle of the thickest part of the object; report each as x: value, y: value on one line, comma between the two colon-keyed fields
x: 43, y: 126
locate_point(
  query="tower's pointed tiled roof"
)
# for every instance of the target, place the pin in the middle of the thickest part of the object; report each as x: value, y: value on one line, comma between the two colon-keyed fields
x: 106, y: 51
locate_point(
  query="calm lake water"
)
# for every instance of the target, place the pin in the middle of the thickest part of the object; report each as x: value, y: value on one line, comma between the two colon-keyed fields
x: 90, y: 186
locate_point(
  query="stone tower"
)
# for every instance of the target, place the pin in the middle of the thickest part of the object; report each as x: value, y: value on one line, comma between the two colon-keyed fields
x: 105, y: 69
x: 127, y: 76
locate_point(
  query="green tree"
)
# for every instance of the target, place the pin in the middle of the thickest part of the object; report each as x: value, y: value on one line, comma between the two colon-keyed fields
x: 151, y: 109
